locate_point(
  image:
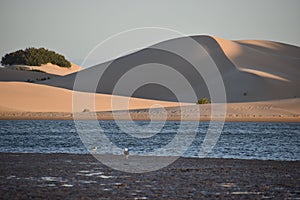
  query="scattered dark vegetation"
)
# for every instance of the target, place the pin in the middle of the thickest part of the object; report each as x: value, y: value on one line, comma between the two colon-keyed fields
x: 30, y: 81
x: 38, y: 79
x: 28, y: 69
x: 203, y: 101
x: 43, y: 79
x: 21, y: 68
x: 37, y: 70
x: 34, y: 57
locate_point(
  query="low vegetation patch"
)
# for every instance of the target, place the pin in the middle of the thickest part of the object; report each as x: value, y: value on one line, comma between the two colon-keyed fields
x: 21, y: 68
x: 38, y: 79
x: 37, y: 70
x: 203, y: 101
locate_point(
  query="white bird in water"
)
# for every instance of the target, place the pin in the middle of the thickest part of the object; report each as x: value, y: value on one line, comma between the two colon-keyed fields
x: 94, y: 149
x: 126, y: 153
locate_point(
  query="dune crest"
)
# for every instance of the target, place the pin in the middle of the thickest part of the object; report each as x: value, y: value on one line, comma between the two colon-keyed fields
x: 277, y: 59
x: 54, y: 69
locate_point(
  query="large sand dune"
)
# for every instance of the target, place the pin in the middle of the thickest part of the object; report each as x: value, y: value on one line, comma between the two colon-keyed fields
x: 251, y: 70
x: 258, y: 76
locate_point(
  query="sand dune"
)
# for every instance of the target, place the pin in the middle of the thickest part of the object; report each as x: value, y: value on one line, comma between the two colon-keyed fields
x: 7, y: 74
x: 54, y: 69
x: 261, y: 79
x: 278, y: 59
x: 18, y: 72
x: 49, y: 68
x: 251, y: 70
x: 29, y: 97
x: 276, y: 48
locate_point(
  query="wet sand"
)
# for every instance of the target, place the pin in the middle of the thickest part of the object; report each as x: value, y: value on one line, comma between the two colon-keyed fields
x: 69, y: 176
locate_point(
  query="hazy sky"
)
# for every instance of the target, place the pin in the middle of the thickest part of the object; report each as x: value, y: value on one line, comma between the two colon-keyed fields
x: 74, y: 27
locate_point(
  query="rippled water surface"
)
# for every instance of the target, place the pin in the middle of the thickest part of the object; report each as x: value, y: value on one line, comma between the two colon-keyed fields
x: 274, y: 141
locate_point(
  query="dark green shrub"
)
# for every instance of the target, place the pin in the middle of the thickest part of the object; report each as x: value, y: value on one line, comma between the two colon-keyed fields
x: 35, y: 57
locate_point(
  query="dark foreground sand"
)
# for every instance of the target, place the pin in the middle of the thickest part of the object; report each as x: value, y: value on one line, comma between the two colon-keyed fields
x: 67, y: 176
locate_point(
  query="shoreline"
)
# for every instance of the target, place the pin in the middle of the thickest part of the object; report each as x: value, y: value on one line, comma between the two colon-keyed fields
x: 73, y: 176
x: 114, y: 156
x: 136, y: 116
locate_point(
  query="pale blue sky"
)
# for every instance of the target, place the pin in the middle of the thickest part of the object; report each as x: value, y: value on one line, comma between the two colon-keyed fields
x: 74, y: 27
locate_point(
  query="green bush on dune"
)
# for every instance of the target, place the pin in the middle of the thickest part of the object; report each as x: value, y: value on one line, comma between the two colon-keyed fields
x: 34, y: 57
x: 203, y: 101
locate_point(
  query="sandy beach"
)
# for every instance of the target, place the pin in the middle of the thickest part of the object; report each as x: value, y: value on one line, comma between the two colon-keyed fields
x: 271, y: 111
x: 69, y: 176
